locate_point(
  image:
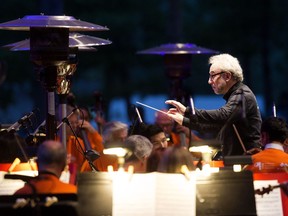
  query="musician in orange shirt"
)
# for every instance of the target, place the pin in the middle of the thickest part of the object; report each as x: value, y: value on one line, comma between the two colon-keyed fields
x: 86, y: 139
x: 51, y: 161
x: 74, y: 146
x: 173, y: 130
x: 274, y: 134
x: 95, y: 141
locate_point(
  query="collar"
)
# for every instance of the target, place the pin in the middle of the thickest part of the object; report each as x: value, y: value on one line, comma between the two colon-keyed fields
x: 274, y: 146
x: 236, y: 86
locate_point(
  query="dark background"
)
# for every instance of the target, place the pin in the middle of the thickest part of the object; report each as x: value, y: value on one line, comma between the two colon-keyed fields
x: 254, y: 31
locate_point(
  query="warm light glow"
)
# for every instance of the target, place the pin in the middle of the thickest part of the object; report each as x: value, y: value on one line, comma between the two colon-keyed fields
x: 206, y: 169
x: 237, y: 168
x: 185, y: 171
x: 206, y: 152
x: 110, y: 168
x: 130, y: 169
x: 202, y: 149
x: 120, y: 152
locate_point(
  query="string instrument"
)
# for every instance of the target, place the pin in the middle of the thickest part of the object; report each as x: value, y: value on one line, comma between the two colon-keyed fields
x: 90, y: 153
x: 99, y: 110
x: 270, y: 188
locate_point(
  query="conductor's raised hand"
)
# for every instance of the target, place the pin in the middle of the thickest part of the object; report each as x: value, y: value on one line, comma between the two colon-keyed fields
x: 175, y: 115
x: 178, y: 106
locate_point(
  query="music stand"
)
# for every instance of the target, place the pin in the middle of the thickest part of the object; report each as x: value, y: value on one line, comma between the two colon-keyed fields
x: 95, y: 194
x: 226, y: 193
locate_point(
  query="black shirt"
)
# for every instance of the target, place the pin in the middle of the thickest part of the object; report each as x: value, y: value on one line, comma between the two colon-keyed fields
x: 241, y: 109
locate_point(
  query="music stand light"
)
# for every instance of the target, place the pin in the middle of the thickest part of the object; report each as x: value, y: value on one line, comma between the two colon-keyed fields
x: 121, y: 150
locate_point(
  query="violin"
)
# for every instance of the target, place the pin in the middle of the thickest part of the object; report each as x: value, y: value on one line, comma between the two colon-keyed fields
x: 270, y: 188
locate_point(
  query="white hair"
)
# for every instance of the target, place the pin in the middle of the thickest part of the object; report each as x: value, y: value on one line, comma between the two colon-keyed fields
x: 141, y: 145
x: 226, y: 62
x: 110, y: 127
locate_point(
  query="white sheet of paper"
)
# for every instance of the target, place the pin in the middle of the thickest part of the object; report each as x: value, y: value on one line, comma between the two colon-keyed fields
x: 9, y: 186
x: 153, y: 194
x: 268, y: 204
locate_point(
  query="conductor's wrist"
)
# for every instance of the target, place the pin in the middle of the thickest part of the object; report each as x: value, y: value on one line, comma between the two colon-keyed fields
x: 187, y: 111
x: 186, y: 122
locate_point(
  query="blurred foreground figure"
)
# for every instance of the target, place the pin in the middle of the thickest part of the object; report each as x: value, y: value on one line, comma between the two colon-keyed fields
x: 142, y: 149
x: 173, y: 158
x: 154, y: 159
x: 274, y: 135
x: 51, y: 161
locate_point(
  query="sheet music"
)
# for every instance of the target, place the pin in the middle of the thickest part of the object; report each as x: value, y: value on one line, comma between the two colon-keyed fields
x: 9, y: 186
x: 175, y: 195
x: 153, y: 194
x: 132, y: 195
x: 268, y: 204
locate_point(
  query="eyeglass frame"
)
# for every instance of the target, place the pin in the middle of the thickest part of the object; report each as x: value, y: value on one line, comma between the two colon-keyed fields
x: 211, y: 76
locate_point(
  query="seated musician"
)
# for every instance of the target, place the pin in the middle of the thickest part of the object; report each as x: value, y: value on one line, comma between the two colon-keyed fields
x: 274, y: 134
x: 93, y: 135
x: 112, y: 132
x: 76, y: 148
x: 51, y: 161
x: 156, y: 136
x: 75, y: 145
x: 173, y: 130
x: 142, y: 149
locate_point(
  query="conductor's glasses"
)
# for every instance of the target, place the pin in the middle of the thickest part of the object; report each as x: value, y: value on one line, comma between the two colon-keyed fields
x: 212, y: 76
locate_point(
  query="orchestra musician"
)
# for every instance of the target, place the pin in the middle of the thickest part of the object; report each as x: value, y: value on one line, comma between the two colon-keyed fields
x: 51, y: 161
x: 96, y: 143
x: 94, y: 138
x: 240, y: 109
x: 173, y: 130
x: 142, y: 149
x: 274, y: 134
x: 156, y: 136
x: 75, y: 146
x: 113, y: 131
x: 87, y: 138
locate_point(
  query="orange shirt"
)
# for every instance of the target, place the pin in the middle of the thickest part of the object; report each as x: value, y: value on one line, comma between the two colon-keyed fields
x: 75, y: 152
x: 96, y: 141
x: 103, y: 161
x: 47, y: 183
x: 269, y: 160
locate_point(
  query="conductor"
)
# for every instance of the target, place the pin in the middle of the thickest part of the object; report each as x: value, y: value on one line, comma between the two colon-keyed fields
x: 240, y: 114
